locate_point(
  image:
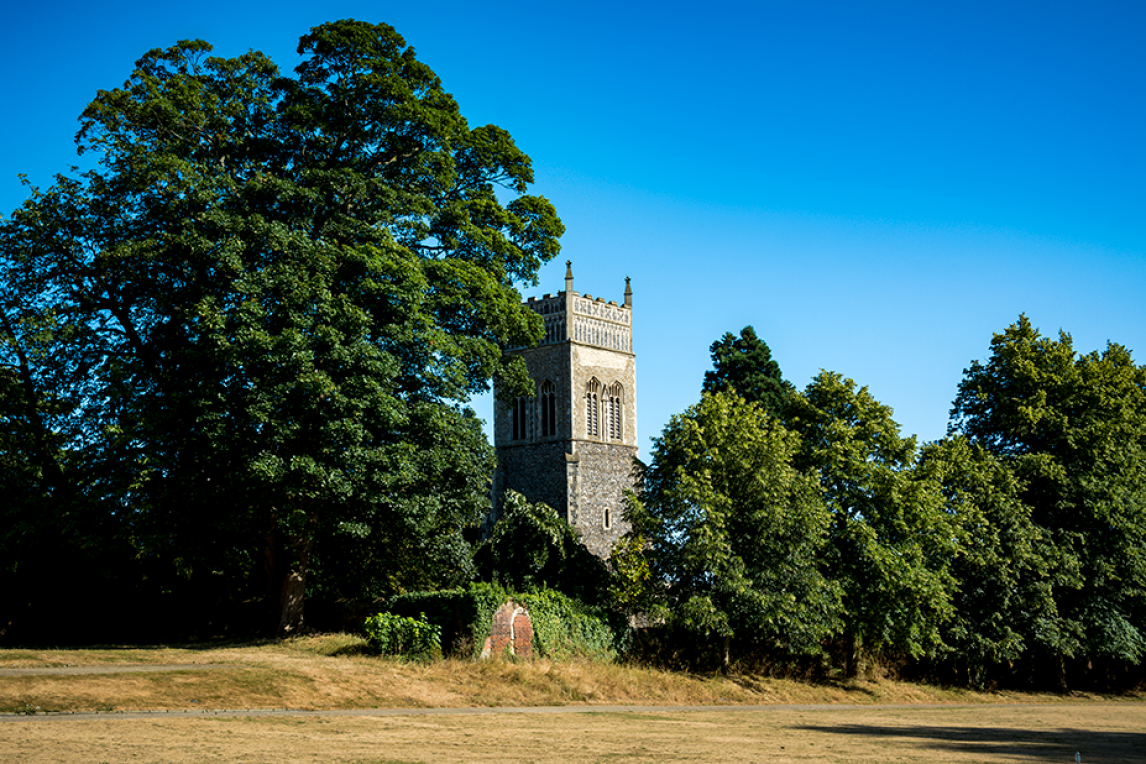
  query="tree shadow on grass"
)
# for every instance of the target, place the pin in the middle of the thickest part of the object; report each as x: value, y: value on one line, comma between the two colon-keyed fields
x: 1094, y: 747
x: 757, y: 684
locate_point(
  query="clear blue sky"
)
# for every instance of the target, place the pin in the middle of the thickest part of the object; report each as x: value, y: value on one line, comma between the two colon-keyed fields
x: 876, y: 187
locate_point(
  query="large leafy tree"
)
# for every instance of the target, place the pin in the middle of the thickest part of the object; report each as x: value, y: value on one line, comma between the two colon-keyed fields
x: 1005, y: 568
x: 288, y: 286
x: 890, y: 540
x: 1072, y: 428
x: 744, y: 365
x: 51, y: 542
x: 732, y: 531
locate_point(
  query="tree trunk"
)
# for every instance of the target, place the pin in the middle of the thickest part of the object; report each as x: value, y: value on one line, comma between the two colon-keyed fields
x: 292, y: 598
x: 852, y: 656
x: 286, y: 564
x: 1060, y: 666
x: 725, y: 656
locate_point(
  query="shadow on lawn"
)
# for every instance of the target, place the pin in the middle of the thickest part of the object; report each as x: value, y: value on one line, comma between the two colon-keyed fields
x: 757, y: 684
x: 1105, y: 747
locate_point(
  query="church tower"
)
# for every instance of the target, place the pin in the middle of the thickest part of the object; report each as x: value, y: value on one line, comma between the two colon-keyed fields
x: 572, y: 445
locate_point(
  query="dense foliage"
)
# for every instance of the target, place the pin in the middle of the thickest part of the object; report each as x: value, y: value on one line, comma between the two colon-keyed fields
x: 562, y: 627
x: 1014, y: 550
x: 890, y: 540
x: 733, y: 530
x: 530, y: 547
x: 1071, y: 429
x: 238, y: 352
x: 390, y: 634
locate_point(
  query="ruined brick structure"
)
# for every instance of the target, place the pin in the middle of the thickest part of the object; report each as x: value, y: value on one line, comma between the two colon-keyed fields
x: 572, y: 445
x: 511, y: 631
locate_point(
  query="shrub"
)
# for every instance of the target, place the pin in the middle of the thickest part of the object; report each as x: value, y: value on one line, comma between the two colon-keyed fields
x: 562, y: 627
x: 565, y: 628
x: 463, y: 615
x: 391, y: 634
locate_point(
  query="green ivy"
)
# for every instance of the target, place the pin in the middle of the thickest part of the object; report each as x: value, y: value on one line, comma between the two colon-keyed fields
x: 463, y: 614
x: 562, y: 627
x: 391, y: 634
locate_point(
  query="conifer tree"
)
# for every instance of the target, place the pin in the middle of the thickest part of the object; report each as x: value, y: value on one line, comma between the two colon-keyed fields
x: 744, y: 365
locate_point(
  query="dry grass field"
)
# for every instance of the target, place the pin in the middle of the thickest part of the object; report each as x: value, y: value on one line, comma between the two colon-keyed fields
x: 455, y: 711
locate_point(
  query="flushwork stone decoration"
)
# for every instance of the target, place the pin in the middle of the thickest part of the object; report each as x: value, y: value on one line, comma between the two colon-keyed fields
x: 575, y: 453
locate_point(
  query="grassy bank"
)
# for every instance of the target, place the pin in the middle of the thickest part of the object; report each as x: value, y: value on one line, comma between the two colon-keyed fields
x: 333, y: 672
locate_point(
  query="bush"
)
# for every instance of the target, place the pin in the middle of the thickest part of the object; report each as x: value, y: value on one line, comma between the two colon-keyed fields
x: 565, y: 628
x: 562, y: 627
x: 463, y: 615
x: 391, y: 634
x: 532, y: 548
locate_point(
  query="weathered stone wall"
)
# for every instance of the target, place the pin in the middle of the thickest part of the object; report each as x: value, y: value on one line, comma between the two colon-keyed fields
x: 522, y: 634
x: 536, y: 471
x: 603, y: 475
x: 546, y: 362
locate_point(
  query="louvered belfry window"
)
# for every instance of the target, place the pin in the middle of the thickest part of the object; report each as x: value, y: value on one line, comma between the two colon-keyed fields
x: 521, y: 418
x: 548, y: 409
x: 592, y: 409
x: 616, y: 423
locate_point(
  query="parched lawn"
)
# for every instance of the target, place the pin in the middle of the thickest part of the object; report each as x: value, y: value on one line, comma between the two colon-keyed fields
x: 333, y: 672
x: 837, y: 722
x: 1098, y: 732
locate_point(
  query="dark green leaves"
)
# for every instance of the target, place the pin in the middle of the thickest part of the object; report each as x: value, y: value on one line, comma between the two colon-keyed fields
x: 284, y: 290
x: 734, y: 530
x: 743, y: 365
x: 1072, y: 429
x: 891, y: 542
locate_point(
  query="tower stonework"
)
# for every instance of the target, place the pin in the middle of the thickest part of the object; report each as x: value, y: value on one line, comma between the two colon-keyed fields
x: 572, y: 445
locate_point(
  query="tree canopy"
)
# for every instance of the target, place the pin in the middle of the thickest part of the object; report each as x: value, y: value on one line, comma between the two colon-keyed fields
x: 531, y: 547
x: 1072, y: 429
x: 262, y: 314
x: 890, y: 540
x: 743, y: 365
x: 733, y: 530
x: 1004, y: 566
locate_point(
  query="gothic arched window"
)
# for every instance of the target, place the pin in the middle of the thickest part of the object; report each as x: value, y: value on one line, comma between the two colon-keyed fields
x: 521, y: 418
x: 614, y: 412
x: 548, y: 409
x: 592, y: 409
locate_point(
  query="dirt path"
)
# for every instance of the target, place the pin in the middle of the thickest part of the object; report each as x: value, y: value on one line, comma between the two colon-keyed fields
x: 252, y: 713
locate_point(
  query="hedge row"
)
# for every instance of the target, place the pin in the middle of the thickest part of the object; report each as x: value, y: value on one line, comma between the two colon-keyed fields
x: 562, y: 627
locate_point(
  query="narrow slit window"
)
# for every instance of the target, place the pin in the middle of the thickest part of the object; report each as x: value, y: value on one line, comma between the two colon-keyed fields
x: 521, y: 417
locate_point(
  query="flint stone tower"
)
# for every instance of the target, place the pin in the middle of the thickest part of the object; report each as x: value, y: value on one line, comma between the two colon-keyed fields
x: 572, y: 445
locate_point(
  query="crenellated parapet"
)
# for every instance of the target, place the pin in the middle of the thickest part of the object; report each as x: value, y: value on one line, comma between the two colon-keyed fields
x: 554, y: 311
x: 573, y: 317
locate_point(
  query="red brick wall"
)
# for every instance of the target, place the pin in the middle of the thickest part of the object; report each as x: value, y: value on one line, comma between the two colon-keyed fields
x: 511, y: 630
x: 522, y: 634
